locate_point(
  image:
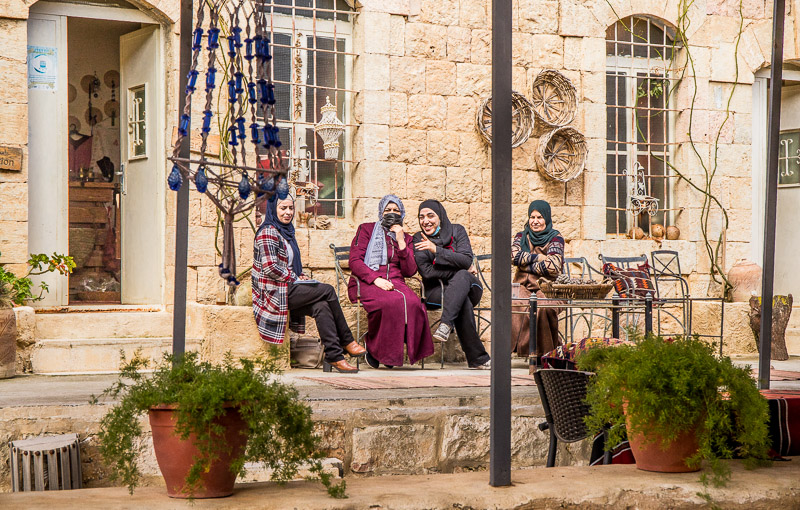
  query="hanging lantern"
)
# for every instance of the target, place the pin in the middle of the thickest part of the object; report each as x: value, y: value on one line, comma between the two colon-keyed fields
x: 329, y: 129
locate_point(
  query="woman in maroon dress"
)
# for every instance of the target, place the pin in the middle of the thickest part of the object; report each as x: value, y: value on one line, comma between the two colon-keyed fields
x: 381, y: 257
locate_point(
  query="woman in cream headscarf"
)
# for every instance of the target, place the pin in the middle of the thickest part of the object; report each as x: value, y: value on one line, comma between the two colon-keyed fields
x: 381, y: 257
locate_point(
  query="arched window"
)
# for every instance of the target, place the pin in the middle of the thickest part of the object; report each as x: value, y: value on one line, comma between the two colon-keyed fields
x: 640, y: 122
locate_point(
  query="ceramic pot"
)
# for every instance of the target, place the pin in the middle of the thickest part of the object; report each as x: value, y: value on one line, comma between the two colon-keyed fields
x: 657, y: 230
x: 650, y: 456
x: 175, y: 455
x: 636, y: 233
x: 673, y: 232
x: 8, y: 343
x: 745, y: 279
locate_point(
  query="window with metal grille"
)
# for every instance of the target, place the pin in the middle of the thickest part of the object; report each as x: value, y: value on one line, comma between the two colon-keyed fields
x: 312, y: 62
x: 640, y: 123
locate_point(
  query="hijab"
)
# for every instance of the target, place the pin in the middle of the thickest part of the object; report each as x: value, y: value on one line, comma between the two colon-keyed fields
x: 444, y: 233
x: 376, y: 255
x: 538, y: 238
x: 286, y: 230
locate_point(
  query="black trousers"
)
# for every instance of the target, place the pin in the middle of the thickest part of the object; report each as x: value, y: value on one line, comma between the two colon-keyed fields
x: 461, y: 293
x: 320, y: 301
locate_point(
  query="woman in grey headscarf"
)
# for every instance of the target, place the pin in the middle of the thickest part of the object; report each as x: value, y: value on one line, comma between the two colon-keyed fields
x: 381, y: 257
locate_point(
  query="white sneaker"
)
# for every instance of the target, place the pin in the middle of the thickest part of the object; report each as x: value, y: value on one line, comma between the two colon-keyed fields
x: 485, y: 366
x: 442, y: 333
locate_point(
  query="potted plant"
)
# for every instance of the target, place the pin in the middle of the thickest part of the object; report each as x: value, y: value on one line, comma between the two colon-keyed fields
x: 16, y: 291
x: 207, y: 421
x: 676, y: 397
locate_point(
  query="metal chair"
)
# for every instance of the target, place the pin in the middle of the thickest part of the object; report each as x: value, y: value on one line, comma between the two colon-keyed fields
x: 571, y: 318
x: 666, y: 271
x: 563, y: 395
x: 626, y: 263
x: 486, y: 286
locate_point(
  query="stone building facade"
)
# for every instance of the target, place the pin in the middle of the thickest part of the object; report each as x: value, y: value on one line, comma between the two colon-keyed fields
x: 419, y: 71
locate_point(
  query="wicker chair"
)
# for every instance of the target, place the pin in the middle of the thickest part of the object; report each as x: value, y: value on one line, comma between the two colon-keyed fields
x: 563, y: 393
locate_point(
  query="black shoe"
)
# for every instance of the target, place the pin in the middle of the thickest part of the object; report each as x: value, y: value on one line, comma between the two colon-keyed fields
x: 372, y: 361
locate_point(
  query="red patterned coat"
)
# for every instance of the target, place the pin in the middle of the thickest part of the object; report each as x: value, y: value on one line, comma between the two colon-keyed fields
x: 271, y: 276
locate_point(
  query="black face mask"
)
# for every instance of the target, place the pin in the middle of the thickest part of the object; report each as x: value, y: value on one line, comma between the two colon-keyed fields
x: 391, y: 219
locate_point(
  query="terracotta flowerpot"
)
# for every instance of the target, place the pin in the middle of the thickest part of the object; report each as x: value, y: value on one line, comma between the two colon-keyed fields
x: 175, y: 456
x: 745, y: 279
x: 651, y: 456
x: 8, y: 343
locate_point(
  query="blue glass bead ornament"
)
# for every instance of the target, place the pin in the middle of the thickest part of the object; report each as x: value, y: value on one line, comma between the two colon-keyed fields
x: 244, y: 186
x: 191, y: 81
x: 198, y: 39
x: 200, y: 180
x: 239, y: 77
x: 237, y: 36
x: 261, y: 49
x: 248, y: 49
x: 270, y: 93
x: 269, y: 183
x: 207, y: 121
x: 224, y: 272
x: 183, y: 127
x: 265, y: 43
x: 261, y: 182
x: 251, y: 93
x: 231, y: 47
x: 232, y: 91
x: 254, y: 133
x: 262, y: 89
x: 276, y: 136
x: 232, y: 139
x: 269, y: 138
x: 233, y: 282
x: 175, y: 180
x: 283, y: 188
x: 211, y: 75
x: 240, y: 127
x: 213, y: 38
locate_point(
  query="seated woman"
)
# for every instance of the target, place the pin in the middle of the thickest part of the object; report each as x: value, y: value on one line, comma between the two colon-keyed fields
x: 381, y: 257
x: 443, y: 253
x: 278, y: 289
x: 537, y: 252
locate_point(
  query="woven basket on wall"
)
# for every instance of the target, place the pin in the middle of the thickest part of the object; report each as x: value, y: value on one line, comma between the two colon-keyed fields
x: 561, y: 154
x: 521, y: 119
x: 554, y: 99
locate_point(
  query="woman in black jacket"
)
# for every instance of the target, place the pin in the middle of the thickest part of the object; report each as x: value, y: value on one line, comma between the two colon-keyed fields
x: 443, y: 253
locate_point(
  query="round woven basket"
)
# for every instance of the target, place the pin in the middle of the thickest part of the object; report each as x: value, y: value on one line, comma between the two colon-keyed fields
x: 554, y: 100
x: 521, y: 119
x: 561, y: 154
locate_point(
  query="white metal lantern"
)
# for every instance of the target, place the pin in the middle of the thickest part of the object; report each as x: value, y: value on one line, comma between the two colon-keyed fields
x: 329, y: 128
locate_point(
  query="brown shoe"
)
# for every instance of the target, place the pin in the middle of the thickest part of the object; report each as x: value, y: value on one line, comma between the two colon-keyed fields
x: 340, y: 366
x: 353, y: 349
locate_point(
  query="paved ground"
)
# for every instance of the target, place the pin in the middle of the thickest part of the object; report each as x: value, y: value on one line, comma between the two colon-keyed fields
x: 77, y: 389
x: 567, y: 487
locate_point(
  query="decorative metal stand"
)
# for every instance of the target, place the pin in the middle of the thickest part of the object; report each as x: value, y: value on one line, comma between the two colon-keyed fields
x: 235, y: 184
x: 640, y: 201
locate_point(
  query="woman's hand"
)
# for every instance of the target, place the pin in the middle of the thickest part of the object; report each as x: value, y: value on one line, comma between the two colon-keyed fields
x: 400, y: 235
x: 473, y: 270
x: 303, y: 277
x: 384, y: 284
x: 426, y: 244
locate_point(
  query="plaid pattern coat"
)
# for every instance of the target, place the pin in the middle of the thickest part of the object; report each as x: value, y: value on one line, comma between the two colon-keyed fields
x: 271, y: 277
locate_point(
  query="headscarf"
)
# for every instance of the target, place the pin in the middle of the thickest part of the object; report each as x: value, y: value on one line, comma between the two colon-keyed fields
x: 444, y: 234
x: 376, y: 249
x: 286, y: 230
x: 538, y: 238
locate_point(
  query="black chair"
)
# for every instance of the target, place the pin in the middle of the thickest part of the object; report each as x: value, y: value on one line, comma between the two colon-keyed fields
x: 572, y: 318
x: 563, y: 395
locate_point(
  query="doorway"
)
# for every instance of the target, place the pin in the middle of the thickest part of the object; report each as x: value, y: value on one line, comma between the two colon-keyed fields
x: 101, y: 116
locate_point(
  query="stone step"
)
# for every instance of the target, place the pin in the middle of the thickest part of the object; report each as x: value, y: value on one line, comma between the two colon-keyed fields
x: 96, y: 355
x: 101, y: 324
x: 793, y: 340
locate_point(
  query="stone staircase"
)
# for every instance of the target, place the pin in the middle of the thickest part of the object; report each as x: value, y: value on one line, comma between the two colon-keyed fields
x: 89, y: 342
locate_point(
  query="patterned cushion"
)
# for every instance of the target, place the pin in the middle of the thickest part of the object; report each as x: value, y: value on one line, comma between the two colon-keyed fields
x: 563, y: 356
x: 631, y: 283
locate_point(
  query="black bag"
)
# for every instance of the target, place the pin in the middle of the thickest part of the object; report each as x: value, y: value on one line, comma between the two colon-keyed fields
x: 306, y: 352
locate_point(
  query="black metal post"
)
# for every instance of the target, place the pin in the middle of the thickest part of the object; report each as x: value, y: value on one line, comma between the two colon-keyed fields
x: 500, y: 391
x: 533, y: 307
x: 773, y: 133
x: 182, y: 199
x: 648, y: 314
x: 615, y: 318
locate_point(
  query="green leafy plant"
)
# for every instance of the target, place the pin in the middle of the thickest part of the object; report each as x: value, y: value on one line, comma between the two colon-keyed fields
x: 670, y: 386
x: 19, y: 289
x: 281, y: 432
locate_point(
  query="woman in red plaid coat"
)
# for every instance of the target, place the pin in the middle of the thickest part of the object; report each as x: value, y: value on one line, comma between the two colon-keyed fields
x: 280, y: 287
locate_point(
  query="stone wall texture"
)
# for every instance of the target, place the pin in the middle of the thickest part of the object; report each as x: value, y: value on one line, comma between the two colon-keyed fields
x: 421, y: 70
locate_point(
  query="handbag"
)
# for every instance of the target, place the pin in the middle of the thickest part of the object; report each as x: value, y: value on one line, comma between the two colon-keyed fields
x: 306, y: 352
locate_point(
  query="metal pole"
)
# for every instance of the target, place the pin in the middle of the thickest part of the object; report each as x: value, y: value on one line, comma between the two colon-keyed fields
x: 182, y: 200
x: 776, y: 72
x: 500, y: 391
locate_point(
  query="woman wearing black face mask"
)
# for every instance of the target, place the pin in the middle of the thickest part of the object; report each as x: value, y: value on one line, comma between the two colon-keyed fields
x: 381, y: 257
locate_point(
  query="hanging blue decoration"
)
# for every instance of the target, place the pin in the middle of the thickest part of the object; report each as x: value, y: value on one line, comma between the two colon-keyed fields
x: 175, y: 180
x: 254, y: 133
x: 232, y: 138
x: 211, y: 75
x: 239, y: 77
x: 191, y: 81
x: 262, y: 184
x: 263, y: 90
x: 207, y: 121
x: 213, y: 38
x: 198, y: 39
x: 183, y: 127
x: 244, y: 186
x: 200, y: 179
x: 231, y: 91
x: 269, y: 183
x: 248, y: 49
x: 240, y: 127
x: 283, y: 188
x: 251, y: 93
x: 224, y: 272
x: 231, y: 47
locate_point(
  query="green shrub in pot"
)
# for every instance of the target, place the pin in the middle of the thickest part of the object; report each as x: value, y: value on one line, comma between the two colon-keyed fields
x: 279, y: 424
x: 667, y: 387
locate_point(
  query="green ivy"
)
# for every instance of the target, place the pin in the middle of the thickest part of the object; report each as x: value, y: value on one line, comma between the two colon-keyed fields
x: 19, y: 289
x: 281, y: 431
x: 670, y: 387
